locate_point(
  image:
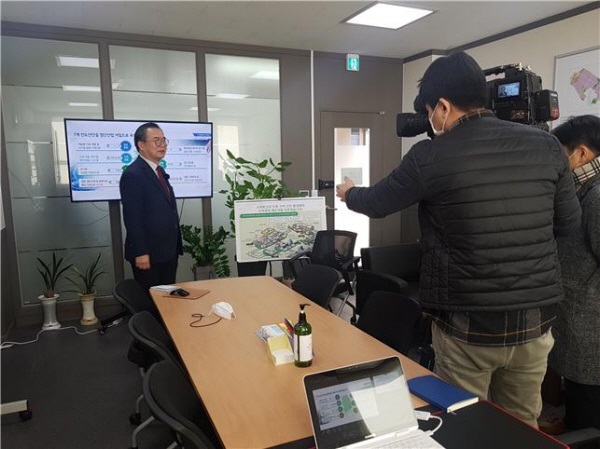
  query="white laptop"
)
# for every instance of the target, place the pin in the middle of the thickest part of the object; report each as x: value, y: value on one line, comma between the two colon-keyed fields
x: 364, y: 406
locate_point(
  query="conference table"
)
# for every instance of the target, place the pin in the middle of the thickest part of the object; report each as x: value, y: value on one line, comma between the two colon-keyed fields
x: 251, y: 402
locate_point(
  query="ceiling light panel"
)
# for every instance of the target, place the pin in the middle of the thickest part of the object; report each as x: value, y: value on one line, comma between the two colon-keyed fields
x: 383, y: 15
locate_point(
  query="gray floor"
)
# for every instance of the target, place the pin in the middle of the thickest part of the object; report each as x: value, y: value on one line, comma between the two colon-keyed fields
x: 81, y: 390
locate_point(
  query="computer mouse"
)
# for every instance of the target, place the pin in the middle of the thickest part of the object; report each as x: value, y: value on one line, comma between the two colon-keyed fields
x: 224, y: 310
x: 180, y: 292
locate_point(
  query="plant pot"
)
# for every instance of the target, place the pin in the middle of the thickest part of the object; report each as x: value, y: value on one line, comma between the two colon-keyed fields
x: 203, y: 272
x: 49, y: 308
x: 87, y: 303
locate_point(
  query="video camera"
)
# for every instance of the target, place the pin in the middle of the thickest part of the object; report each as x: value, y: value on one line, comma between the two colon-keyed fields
x: 518, y: 97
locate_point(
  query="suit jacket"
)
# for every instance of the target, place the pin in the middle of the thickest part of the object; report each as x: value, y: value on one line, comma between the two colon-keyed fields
x: 150, y: 215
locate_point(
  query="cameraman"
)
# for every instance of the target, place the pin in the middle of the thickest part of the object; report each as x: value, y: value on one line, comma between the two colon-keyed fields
x: 492, y: 195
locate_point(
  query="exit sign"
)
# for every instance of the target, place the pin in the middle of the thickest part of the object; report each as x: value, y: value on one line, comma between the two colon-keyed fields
x: 352, y: 62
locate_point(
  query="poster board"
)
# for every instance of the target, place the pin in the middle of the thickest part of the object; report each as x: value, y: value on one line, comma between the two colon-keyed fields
x: 577, y: 82
x: 276, y: 229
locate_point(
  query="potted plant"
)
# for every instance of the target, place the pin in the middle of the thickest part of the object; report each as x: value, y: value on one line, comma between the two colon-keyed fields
x: 207, y: 248
x: 249, y: 180
x: 51, y: 273
x: 85, y: 281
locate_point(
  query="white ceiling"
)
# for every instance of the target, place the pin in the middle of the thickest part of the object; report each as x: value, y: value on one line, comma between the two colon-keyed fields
x: 306, y: 25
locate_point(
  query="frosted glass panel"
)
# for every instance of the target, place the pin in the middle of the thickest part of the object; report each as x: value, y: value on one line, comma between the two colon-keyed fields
x: 151, y: 84
x: 248, y: 126
x: 243, y: 103
x: 38, y: 92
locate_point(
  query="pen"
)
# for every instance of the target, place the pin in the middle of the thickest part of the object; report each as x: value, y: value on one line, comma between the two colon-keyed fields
x: 289, y: 325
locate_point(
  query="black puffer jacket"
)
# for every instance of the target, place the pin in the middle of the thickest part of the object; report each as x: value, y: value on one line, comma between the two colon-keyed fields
x: 492, y: 195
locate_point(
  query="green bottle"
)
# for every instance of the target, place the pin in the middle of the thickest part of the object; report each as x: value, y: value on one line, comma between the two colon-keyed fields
x: 303, y: 353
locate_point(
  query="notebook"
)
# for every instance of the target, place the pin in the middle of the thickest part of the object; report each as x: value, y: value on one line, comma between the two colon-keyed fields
x: 441, y: 394
x: 367, y: 405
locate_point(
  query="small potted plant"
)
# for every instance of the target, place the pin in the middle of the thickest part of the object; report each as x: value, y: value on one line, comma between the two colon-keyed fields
x: 85, y: 281
x: 51, y: 273
x: 207, y: 248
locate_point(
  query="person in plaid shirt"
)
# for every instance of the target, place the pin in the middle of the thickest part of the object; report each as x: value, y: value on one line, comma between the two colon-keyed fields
x: 492, y: 196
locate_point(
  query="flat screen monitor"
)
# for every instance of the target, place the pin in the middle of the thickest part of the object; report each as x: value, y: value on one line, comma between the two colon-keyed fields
x: 99, y: 150
x: 508, y: 90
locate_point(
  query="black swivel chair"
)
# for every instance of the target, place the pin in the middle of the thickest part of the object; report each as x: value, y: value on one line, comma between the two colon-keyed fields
x: 402, y: 260
x: 173, y: 401
x: 317, y: 283
x: 133, y: 298
x: 368, y: 281
x: 335, y: 249
x: 151, y: 344
x: 391, y: 318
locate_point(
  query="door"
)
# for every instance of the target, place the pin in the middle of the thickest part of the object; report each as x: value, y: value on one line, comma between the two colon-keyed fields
x: 347, y: 141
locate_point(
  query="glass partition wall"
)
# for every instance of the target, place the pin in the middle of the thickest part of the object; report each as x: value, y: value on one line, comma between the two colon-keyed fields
x: 243, y: 103
x: 154, y: 85
x: 45, y: 81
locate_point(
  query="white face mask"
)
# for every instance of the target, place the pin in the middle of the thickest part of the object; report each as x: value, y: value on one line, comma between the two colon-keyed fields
x: 435, y: 131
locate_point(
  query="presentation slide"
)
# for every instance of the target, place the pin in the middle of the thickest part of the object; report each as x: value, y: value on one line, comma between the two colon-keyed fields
x: 99, y: 150
x: 277, y: 229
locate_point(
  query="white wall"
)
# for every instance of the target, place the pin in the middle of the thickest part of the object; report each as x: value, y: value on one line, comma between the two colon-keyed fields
x: 536, y: 48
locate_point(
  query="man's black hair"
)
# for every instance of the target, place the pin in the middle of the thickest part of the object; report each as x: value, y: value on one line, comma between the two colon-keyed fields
x: 140, y: 133
x: 457, y: 78
x: 580, y: 130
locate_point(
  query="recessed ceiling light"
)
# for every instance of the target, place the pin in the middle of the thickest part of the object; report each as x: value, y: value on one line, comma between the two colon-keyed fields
x: 81, y: 88
x: 232, y: 96
x: 83, y: 105
x: 388, y: 16
x: 72, y: 61
x: 266, y: 75
x: 213, y: 109
x: 194, y: 108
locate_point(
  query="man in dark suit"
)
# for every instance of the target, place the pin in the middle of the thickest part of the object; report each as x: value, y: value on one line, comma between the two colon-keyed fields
x: 153, y: 242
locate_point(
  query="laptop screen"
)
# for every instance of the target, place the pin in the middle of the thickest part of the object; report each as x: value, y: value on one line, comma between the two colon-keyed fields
x: 352, y: 404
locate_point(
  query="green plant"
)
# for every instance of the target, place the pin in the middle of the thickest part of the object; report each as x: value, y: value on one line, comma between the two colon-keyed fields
x: 52, y: 273
x: 250, y: 180
x: 207, y: 247
x: 86, y: 280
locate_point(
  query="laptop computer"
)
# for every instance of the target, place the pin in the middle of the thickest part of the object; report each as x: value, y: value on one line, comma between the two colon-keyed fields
x: 367, y: 405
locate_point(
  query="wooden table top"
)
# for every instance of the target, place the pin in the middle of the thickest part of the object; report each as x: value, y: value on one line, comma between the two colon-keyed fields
x: 251, y: 402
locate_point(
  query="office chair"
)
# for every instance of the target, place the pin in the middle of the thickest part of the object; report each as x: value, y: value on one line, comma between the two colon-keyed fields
x: 317, y: 283
x: 173, y: 401
x: 335, y: 249
x: 368, y: 281
x: 133, y: 298
x: 403, y: 261
x: 391, y: 318
x: 151, y: 344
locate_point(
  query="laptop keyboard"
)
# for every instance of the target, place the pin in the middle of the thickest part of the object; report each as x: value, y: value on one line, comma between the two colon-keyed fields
x: 419, y: 441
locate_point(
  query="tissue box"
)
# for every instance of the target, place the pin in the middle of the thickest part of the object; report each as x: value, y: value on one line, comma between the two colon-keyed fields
x: 280, y: 350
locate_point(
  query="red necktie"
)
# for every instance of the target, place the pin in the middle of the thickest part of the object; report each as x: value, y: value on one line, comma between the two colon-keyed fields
x: 163, y: 181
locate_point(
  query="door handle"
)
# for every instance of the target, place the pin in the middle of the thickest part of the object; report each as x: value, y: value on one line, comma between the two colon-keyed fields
x: 328, y: 207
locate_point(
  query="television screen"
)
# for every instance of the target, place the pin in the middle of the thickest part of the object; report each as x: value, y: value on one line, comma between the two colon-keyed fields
x: 99, y: 150
x: 507, y: 90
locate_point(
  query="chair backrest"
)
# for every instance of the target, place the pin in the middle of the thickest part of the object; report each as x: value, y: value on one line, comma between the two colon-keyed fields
x: 391, y: 318
x: 333, y: 248
x: 172, y: 400
x: 317, y: 283
x: 152, y: 336
x: 403, y: 260
x: 133, y: 296
x: 368, y: 281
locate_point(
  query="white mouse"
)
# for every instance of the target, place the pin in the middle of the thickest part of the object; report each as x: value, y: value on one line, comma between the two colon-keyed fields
x: 224, y: 310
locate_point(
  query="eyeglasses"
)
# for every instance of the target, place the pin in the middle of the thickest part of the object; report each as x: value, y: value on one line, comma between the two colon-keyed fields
x: 159, y: 142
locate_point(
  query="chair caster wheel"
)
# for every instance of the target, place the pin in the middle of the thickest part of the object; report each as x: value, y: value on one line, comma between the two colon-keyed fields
x: 25, y: 415
x: 135, y: 419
